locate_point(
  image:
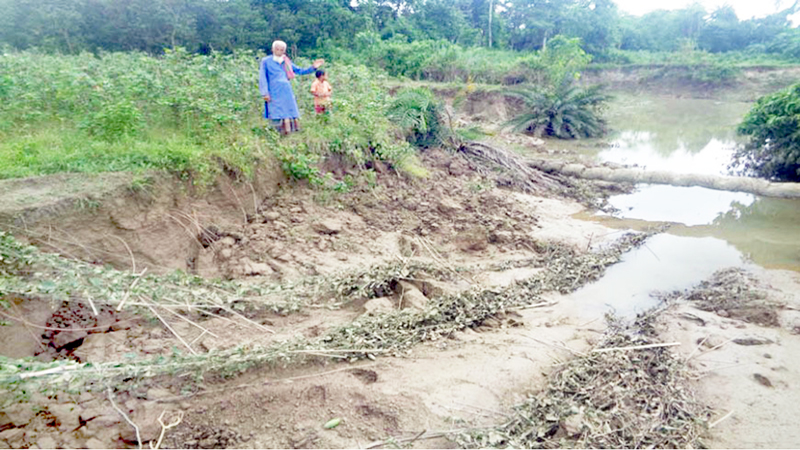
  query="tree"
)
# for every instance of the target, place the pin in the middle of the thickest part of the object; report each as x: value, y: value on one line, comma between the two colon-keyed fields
x: 440, y: 19
x: 562, y: 108
x: 52, y: 25
x: 533, y: 22
x: 773, y: 127
x: 723, y: 32
x: 569, y: 112
x: 662, y: 30
x: 597, y: 23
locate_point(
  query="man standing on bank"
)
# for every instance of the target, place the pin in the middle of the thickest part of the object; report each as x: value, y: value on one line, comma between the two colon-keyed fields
x: 274, y: 82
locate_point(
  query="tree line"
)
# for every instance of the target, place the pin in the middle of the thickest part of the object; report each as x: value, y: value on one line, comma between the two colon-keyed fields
x: 203, y: 26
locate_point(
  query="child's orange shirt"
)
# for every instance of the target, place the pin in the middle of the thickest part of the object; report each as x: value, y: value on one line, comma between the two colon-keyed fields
x: 322, y: 92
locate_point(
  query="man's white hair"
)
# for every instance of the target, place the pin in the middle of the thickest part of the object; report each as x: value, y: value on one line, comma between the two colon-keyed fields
x: 279, y: 44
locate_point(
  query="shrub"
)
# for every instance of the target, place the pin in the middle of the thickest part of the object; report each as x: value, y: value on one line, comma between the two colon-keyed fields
x: 568, y: 112
x: 773, y: 127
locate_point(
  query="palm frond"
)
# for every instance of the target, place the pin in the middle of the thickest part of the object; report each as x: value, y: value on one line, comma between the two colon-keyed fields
x: 419, y: 113
x: 566, y: 112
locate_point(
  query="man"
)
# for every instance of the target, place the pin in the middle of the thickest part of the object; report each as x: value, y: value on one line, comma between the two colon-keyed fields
x: 274, y: 82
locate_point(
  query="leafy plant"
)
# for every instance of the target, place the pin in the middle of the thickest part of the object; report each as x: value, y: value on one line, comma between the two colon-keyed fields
x: 195, y: 116
x: 773, y: 125
x: 568, y: 112
x: 422, y: 116
x: 115, y: 121
x: 299, y: 164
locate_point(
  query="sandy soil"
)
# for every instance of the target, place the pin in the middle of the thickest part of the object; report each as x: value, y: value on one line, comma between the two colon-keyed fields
x: 745, y: 369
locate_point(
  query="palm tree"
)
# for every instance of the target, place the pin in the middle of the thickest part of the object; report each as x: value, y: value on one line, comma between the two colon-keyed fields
x: 567, y: 112
x: 417, y: 111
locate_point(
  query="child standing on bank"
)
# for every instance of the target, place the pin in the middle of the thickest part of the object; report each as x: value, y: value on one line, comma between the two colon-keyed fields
x: 321, y: 90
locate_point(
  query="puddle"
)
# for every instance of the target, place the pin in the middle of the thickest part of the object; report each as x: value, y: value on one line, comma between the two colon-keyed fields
x: 765, y: 230
x: 665, y: 263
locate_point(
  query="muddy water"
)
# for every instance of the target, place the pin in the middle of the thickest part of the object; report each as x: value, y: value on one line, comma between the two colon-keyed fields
x: 711, y: 229
x: 665, y: 263
x: 674, y: 134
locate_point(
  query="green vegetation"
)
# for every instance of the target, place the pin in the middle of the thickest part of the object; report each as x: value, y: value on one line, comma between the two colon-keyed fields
x: 773, y: 125
x: 568, y: 112
x: 603, y: 399
x: 421, y: 115
x: 195, y: 111
x: 191, y: 115
x: 131, y: 112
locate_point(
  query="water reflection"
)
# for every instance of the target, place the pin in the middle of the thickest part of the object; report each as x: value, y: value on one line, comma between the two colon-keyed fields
x: 686, y: 205
x: 673, y: 134
x: 763, y: 229
x: 665, y: 263
x: 694, y: 136
x: 638, y: 148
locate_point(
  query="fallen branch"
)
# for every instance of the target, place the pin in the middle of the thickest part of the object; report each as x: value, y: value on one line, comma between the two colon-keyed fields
x: 534, y: 306
x: 710, y: 350
x: 343, y: 350
x: 133, y: 260
x: 166, y: 324
x: 256, y: 324
x: 419, y: 436
x: 130, y: 288
x: 697, y: 348
x: 52, y: 371
x: 557, y: 345
x: 200, y: 327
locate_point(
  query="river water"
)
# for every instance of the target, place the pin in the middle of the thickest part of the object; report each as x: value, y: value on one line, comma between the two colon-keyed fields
x: 711, y: 229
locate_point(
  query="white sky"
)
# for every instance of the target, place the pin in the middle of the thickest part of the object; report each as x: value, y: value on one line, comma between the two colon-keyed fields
x: 745, y: 9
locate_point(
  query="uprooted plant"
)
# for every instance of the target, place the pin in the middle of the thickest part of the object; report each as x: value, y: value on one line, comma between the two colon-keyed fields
x: 391, y: 333
x: 630, y: 391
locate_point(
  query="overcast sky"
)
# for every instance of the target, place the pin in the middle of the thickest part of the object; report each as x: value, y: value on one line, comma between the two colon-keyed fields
x: 745, y: 9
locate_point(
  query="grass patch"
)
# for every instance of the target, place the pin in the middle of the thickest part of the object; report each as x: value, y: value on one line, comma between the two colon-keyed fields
x: 190, y: 115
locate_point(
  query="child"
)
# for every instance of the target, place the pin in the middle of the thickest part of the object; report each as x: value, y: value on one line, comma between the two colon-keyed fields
x: 321, y: 90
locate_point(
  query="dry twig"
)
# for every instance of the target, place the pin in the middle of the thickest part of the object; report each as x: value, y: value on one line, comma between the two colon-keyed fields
x: 175, y: 333
x: 165, y: 427
x: 125, y: 416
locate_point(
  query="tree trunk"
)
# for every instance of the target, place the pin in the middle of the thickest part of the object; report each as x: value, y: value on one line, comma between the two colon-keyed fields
x: 756, y: 186
x: 491, y: 13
